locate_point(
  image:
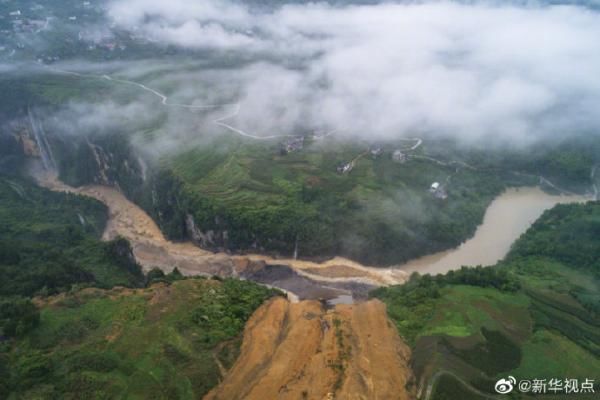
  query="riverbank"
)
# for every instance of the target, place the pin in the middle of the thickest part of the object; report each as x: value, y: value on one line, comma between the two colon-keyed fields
x: 505, y: 220
x: 509, y: 215
x: 152, y: 250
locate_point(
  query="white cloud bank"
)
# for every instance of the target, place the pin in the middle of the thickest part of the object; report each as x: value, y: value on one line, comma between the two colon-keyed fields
x: 475, y: 71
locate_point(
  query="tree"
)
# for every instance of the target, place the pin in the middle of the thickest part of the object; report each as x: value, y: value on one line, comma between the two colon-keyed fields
x: 155, y: 275
x: 17, y: 316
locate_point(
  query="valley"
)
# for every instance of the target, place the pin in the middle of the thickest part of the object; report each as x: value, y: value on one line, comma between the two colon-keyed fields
x: 108, y: 326
x: 330, y: 311
x: 297, y: 200
x: 152, y: 249
x: 280, y: 326
x: 519, y: 306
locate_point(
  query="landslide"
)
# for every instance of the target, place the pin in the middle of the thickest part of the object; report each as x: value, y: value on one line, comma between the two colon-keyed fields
x: 304, y: 351
x: 152, y: 249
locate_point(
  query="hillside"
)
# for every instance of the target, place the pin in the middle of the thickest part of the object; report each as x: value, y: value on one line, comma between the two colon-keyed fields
x: 169, y: 341
x: 51, y: 241
x: 302, y: 351
x: 76, y: 321
x: 165, y: 336
x: 246, y: 199
x: 230, y: 192
x: 535, y: 315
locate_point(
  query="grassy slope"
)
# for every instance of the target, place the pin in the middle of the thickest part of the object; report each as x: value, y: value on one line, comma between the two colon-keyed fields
x: 547, y: 328
x: 155, y: 343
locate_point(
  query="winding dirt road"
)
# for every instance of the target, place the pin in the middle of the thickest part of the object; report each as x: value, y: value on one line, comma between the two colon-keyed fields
x: 165, y: 102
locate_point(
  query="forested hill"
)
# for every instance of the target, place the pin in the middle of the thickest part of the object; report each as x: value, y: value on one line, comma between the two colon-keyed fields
x: 535, y: 315
x: 569, y: 234
x: 167, y: 341
x: 51, y: 241
x: 79, y: 320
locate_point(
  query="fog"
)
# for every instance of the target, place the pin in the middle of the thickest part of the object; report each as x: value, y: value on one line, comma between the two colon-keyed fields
x: 514, y: 73
x: 392, y: 70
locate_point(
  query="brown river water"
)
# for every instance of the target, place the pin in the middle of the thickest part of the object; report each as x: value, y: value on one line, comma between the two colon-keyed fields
x: 338, y: 279
x: 507, y: 218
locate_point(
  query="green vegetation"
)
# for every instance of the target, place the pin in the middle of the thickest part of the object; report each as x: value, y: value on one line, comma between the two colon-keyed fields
x: 17, y: 316
x: 264, y: 199
x: 575, y: 245
x: 47, y: 90
x: 50, y: 242
x: 534, y: 315
x: 415, y: 305
x: 156, y: 275
x: 344, y: 354
x: 479, y: 324
x: 252, y: 196
x: 164, y: 342
x: 80, y: 339
x: 448, y: 387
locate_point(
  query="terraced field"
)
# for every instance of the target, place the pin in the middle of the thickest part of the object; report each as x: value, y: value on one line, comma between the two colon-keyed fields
x: 272, y: 201
x: 533, y: 316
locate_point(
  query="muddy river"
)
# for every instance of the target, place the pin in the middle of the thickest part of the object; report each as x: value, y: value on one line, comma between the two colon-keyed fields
x: 338, y: 280
x: 507, y: 217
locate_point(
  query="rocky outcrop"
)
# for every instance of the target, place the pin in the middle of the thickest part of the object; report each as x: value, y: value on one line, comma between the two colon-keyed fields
x: 304, y: 351
x: 203, y: 239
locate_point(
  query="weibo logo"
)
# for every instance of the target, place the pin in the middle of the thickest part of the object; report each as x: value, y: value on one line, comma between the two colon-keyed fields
x: 504, y: 386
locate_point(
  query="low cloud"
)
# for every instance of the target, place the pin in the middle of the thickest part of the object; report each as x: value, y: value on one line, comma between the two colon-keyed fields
x: 471, y: 71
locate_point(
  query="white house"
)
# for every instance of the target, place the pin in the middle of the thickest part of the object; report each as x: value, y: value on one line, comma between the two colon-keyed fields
x: 399, y: 156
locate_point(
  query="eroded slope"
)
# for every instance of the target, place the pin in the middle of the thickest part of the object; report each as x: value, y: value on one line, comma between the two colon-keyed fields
x: 303, y: 351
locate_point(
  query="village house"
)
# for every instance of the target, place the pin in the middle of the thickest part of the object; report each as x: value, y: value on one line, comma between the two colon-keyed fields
x: 345, y: 168
x: 438, y: 191
x: 376, y: 151
x: 399, y: 157
x: 295, y: 143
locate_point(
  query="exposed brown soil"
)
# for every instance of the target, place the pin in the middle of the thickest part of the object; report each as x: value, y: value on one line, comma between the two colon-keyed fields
x: 29, y: 146
x: 340, y: 271
x: 152, y: 249
x: 290, y: 350
x: 303, y: 351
